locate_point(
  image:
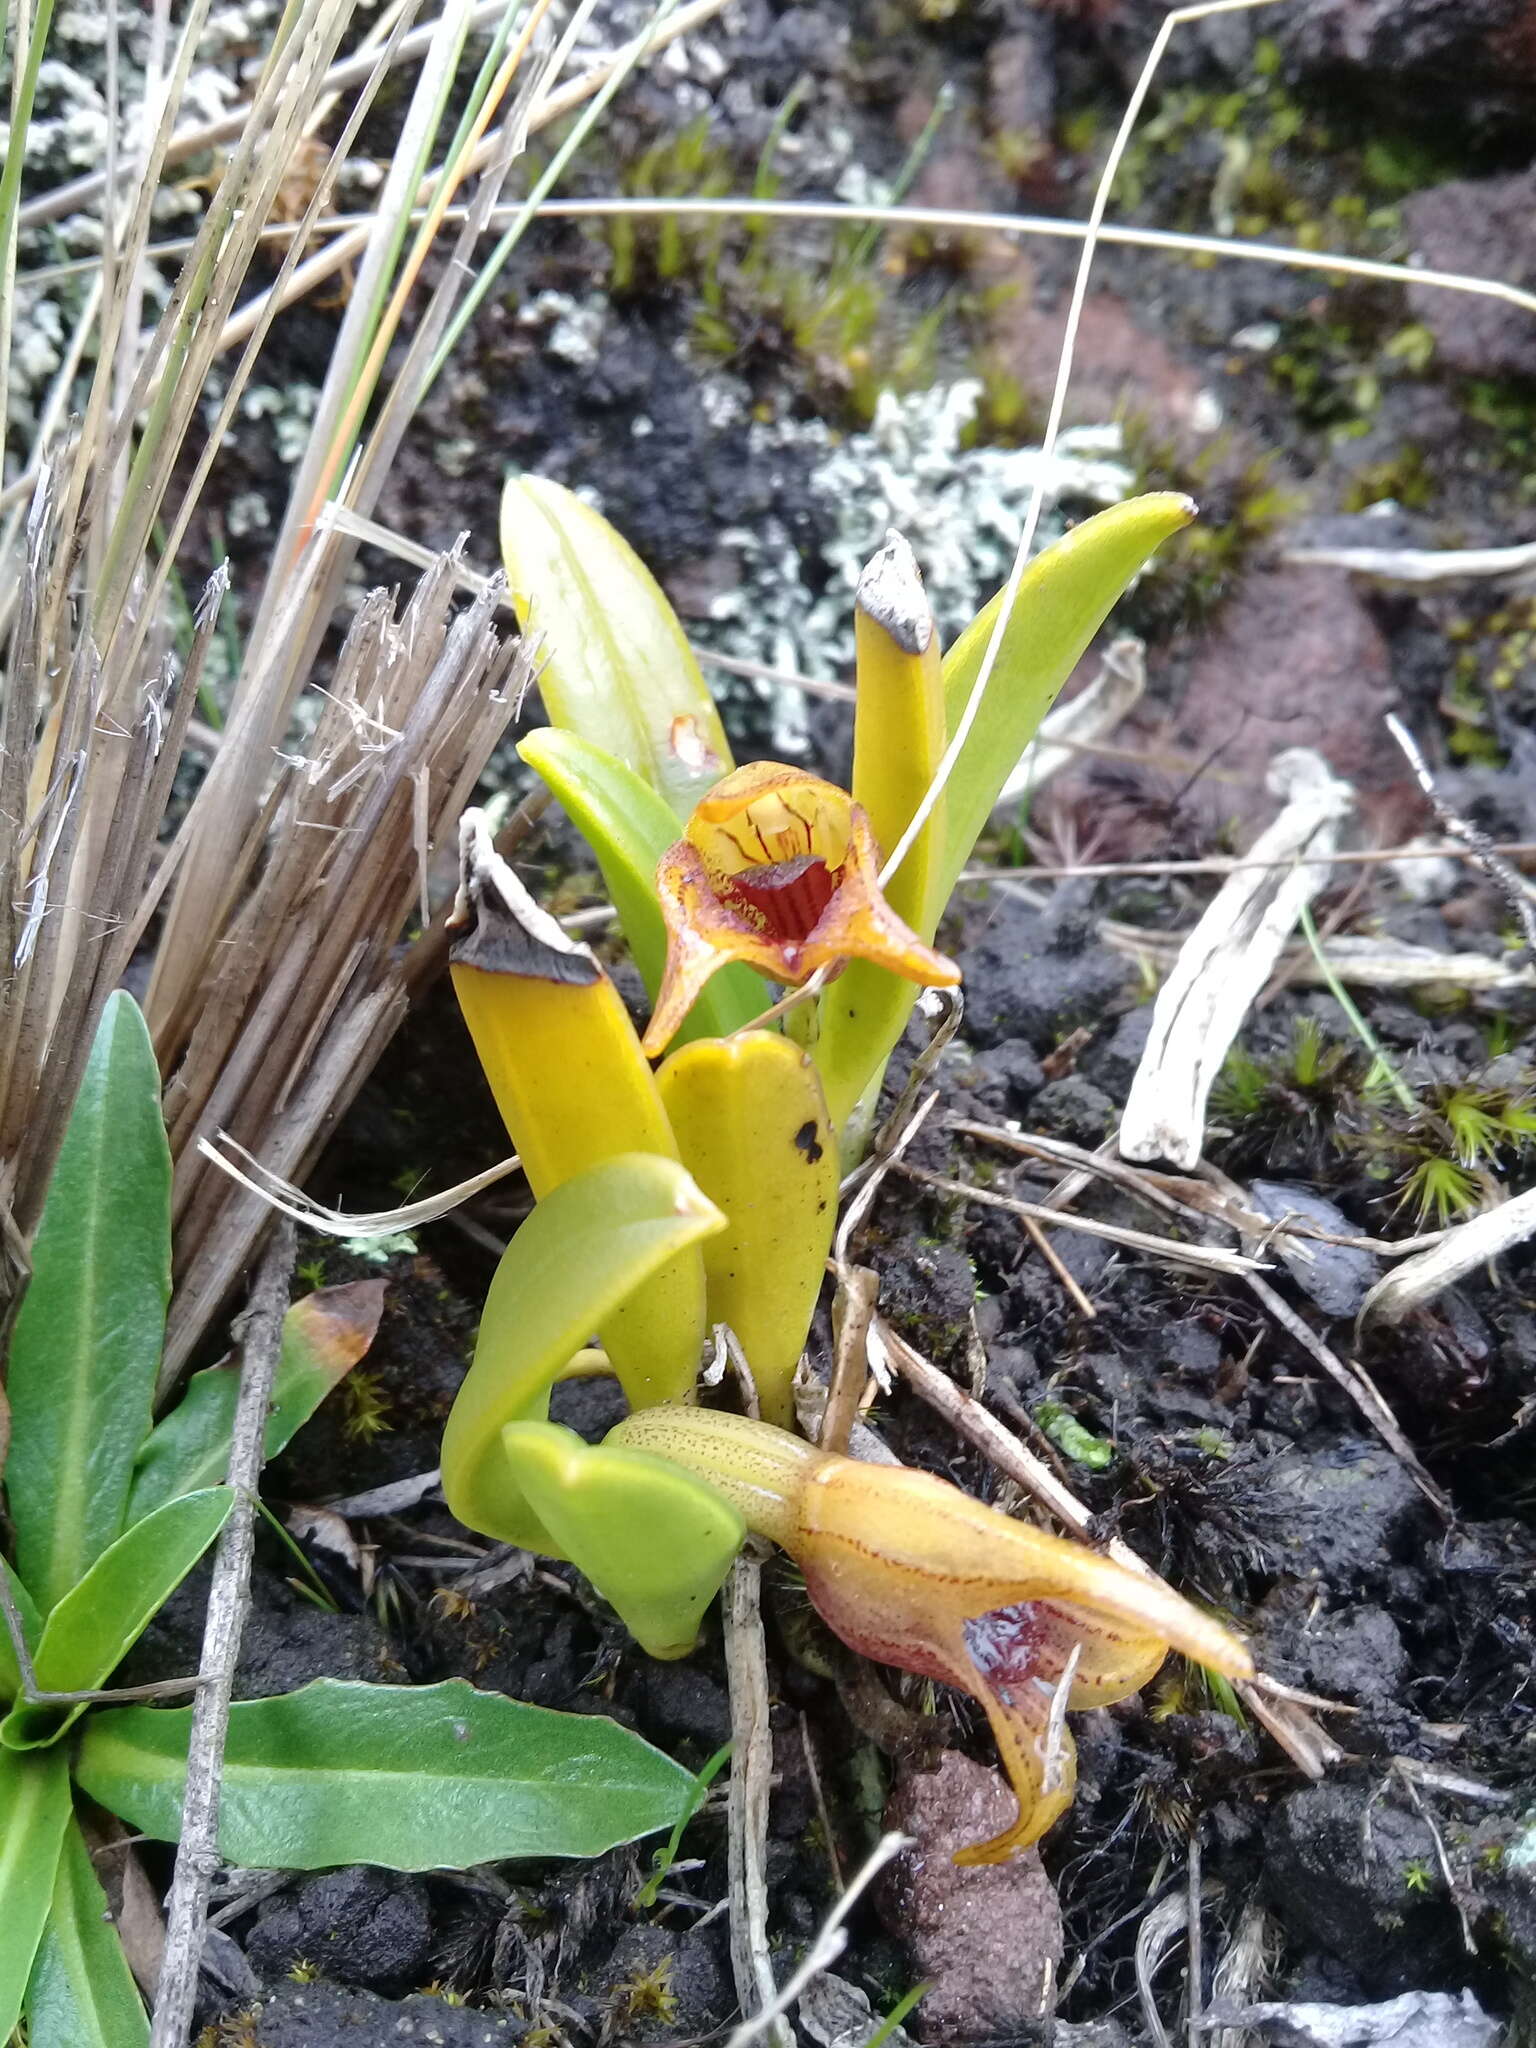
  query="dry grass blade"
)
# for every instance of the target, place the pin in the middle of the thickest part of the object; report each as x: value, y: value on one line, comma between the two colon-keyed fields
x: 307, y: 985
x: 1360, y: 1389
x: 1457, y: 1252
x: 1479, y: 846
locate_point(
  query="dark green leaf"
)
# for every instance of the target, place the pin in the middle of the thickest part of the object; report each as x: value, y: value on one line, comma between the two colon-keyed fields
x: 412, y: 1777
x: 324, y: 1336
x: 88, y: 1338
x: 98, y: 1621
x: 34, y: 1807
x: 82, y: 1993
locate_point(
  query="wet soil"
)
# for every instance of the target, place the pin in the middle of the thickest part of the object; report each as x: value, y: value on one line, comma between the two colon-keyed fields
x: 1350, y: 413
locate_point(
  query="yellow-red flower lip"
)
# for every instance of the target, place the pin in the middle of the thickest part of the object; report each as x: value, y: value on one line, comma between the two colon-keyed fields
x: 779, y: 869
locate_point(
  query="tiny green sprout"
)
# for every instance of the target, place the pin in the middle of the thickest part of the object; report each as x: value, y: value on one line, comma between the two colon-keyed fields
x: 311, y: 1273
x: 1417, y: 1876
x: 666, y: 1856
x: 1241, y: 1086
x: 1071, y: 1439
x: 1476, y: 1127
x: 303, y: 1971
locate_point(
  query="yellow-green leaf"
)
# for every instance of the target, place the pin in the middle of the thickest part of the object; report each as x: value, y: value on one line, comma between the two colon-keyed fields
x: 615, y: 665
x: 1065, y: 595
x: 751, y: 1124
x: 649, y: 1537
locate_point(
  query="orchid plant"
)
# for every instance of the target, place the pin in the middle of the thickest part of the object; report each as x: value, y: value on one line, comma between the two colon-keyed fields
x: 704, y: 1192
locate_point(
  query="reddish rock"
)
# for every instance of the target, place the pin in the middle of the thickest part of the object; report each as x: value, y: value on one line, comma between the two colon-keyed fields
x: 1484, y: 227
x: 1295, y: 660
x: 987, y: 1937
x: 1465, y: 46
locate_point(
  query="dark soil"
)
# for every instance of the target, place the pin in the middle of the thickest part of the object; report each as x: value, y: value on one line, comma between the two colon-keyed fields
x: 1232, y: 1463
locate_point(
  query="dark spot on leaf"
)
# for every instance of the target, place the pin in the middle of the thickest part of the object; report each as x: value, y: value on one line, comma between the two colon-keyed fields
x: 806, y: 1141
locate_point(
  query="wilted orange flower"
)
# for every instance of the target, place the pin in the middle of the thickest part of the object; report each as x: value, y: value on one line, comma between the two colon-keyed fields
x: 912, y: 1572
x: 778, y: 869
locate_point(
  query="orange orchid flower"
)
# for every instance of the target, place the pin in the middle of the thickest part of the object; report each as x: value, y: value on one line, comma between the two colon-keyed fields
x: 779, y: 869
x: 912, y: 1572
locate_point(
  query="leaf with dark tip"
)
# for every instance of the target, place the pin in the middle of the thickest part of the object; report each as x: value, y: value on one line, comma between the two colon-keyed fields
x: 324, y: 1336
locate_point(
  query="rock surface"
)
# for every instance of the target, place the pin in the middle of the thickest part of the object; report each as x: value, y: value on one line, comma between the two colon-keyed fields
x: 1482, y: 227
x: 988, y: 1936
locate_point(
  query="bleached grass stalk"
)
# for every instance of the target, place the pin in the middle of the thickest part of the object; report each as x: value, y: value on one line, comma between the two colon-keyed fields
x: 292, y: 1202
x: 1040, y: 226
x: 29, y: 39
x: 223, y: 810
x: 246, y: 367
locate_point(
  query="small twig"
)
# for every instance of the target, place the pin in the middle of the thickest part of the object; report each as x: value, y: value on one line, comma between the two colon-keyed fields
x: 260, y: 1337
x: 746, y: 1665
x: 823, y: 1811
x: 1194, y: 1997
x: 1479, y: 846
x: 1444, y: 1861
x: 1221, y: 864
x: 1203, y: 1258
x: 853, y: 1308
x: 112, y: 1695
x: 1453, y: 1782
x: 1459, y: 1251
x: 969, y: 1419
x: 1058, y: 1266
x: 824, y: 1951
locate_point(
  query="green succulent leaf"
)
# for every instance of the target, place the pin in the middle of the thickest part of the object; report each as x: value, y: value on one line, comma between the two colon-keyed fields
x: 324, y: 1336
x: 615, y: 665
x: 411, y: 1777
x: 1066, y: 594
x: 34, y: 1811
x: 88, y: 1337
x: 655, y: 1541
x: 98, y: 1621
x: 82, y: 1993
x: 629, y: 828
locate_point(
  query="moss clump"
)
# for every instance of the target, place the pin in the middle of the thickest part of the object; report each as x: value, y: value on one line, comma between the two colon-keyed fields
x: 1307, y: 1101
x: 1242, y: 501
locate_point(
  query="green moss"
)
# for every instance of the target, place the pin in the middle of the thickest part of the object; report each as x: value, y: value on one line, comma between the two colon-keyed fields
x: 1242, y: 503
x: 1404, y: 477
